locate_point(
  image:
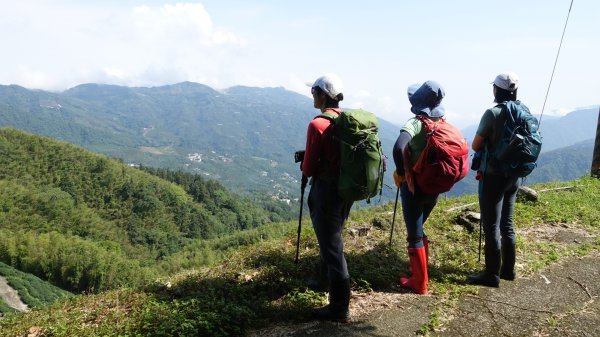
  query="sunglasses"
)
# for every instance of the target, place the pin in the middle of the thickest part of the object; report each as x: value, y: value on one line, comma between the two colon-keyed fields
x: 314, y: 90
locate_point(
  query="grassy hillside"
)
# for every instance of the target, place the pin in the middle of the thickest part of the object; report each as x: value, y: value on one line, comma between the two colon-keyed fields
x: 86, y: 222
x: 259, y: 284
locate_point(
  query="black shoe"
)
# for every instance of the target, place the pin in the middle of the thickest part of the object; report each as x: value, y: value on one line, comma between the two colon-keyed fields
x: 339, y: 299
x: 317, y: 285
x: 485, y: 279
x: 508, y: 275
x: 507, y: 271
x: 489, y: 277
x: 332, y: 313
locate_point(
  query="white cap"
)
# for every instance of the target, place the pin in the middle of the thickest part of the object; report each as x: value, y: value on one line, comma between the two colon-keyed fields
x: 330, y: 84
x: 507, y: 81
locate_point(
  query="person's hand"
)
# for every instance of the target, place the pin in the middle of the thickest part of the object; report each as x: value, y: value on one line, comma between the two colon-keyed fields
x: 398, y: 179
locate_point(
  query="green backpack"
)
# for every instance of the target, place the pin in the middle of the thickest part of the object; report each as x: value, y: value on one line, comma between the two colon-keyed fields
x: 361, y: 157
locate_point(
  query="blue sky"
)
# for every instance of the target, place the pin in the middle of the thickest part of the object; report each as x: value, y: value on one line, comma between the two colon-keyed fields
x: 378, y: 48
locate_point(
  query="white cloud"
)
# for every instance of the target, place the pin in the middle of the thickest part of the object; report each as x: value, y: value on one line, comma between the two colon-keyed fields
x: 144, y: 45
x: 184, y: 22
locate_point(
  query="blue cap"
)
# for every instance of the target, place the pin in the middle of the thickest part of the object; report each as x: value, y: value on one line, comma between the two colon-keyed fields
x: 428, y: 100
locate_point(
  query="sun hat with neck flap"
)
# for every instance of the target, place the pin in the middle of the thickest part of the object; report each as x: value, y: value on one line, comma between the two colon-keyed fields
x: 427, y: 100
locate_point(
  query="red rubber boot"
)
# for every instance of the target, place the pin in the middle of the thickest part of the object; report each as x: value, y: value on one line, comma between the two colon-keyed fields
x: 417, y: 283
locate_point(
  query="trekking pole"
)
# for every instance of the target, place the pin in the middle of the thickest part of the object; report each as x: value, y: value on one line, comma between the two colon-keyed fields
x: 394, y: 217
x: 480, y: 228
x: 302, y: 188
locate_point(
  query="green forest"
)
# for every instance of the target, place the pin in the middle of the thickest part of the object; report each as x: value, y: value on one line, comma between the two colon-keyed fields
x: 89, y: 223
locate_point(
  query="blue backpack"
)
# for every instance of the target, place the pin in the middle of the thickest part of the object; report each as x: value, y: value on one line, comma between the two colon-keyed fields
x: 520, y: 142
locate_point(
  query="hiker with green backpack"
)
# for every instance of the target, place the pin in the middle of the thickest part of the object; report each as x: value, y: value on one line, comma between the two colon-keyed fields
x: 430, y: 156
x: 344, y: 160
x: 509, y: 143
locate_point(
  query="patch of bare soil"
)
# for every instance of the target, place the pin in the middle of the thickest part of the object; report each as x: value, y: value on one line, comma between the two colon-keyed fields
x: 561, y: 232
x: 10, y: 296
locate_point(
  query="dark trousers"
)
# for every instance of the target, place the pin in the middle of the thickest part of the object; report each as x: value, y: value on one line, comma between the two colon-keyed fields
x: 416, y: 209
x: 497, y: 195
x: 328, y: 213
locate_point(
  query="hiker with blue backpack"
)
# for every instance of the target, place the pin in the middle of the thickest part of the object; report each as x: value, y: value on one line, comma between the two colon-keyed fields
x: 508, y: 143
x: 328, y: 211
x: 425, y: 141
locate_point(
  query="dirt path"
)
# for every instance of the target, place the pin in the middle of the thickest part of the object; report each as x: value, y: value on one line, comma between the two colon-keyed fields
x: 10, y: 296
x: 561, y: 300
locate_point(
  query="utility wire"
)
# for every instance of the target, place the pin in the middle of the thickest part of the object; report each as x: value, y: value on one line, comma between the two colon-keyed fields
x: 555, y: 61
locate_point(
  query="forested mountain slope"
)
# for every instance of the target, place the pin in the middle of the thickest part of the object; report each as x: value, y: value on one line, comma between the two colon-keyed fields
x: 87, y: 222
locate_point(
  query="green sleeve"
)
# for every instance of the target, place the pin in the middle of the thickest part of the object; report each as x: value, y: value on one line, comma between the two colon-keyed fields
x: 412, y: 127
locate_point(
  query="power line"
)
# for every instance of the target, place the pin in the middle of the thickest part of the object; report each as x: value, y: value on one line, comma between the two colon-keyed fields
x: 555, y: 61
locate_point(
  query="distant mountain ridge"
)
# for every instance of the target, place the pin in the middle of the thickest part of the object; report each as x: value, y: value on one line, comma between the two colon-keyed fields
x: 243, y: 137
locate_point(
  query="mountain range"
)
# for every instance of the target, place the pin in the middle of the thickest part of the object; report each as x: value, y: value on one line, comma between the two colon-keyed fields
x: 244, y: 137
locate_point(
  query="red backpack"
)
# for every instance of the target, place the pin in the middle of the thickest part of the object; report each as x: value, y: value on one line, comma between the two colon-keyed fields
x: 445, y: 159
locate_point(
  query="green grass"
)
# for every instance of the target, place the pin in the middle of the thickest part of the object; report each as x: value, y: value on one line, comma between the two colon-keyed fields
x: 260, y: 283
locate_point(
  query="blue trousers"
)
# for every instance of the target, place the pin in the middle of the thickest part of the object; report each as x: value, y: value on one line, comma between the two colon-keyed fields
x: 328, y: 213
x: 497, y: 195
x: 416, y: 209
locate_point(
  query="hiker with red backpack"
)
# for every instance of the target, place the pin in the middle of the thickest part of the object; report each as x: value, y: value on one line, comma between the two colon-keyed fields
x: 328, y: 211
x: 509, y: 143
x: 430, y: 156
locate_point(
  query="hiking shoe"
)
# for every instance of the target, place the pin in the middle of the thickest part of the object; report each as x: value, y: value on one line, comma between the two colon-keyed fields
x: 485, y: 279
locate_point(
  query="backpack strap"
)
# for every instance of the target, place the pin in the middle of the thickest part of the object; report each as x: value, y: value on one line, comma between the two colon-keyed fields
x: 330, y: 116
x: 429, y: 124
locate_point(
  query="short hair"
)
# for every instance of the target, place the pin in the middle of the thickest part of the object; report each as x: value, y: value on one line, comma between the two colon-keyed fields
x: 330, y: 102
x: 503, y: 95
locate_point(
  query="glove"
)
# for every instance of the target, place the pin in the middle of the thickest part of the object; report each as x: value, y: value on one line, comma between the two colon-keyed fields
x: 398, y: 179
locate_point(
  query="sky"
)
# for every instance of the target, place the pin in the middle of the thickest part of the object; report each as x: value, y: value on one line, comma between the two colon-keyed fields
x: 378, y: 48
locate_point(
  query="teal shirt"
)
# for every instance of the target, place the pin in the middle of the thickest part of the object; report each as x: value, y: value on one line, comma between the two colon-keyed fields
x: 489, y: 129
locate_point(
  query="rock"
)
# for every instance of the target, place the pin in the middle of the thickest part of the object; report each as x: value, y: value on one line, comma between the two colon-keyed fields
x: 464, y: 221
x: 473, y: 216
x: 360, y: 231
x: 527, y: 193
